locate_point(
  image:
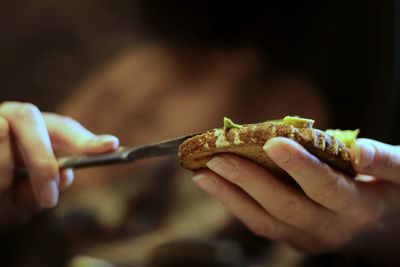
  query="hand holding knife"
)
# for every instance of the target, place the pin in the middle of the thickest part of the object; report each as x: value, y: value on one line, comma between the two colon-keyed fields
x: 121, y: 155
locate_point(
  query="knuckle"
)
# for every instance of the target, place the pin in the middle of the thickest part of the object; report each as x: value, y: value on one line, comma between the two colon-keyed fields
x: 241, y: 180
x: 326, y: 192
x: 295, y: 161
x: 47, y: 168
x: 238, y: 175
x: 24, y: 110
x: 288, y: 210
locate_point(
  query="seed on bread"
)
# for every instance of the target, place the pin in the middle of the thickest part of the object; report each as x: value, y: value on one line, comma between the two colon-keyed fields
x: 248, y: 140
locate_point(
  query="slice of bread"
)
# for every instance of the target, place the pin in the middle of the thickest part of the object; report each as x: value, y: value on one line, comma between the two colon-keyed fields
x: 248, y: 141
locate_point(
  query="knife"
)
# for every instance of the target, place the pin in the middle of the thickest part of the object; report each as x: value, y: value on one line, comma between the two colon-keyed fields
x: 121, y: 155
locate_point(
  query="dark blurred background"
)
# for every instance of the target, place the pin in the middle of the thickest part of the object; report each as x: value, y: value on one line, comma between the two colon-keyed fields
x: 48, y: 47
x: 349, y: 48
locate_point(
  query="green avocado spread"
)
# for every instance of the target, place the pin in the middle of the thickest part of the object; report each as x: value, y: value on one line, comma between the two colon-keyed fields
x: 277, y: 121
x: 347, y: 137
x: 229, y: 124
x: 298, y: 122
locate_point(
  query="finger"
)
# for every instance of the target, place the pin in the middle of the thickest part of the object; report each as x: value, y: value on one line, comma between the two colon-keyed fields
x: 6, y: 156
x: 252, y: 214
x: 66, y: 178
x: 70, y: 136
x: 319, y: 181
x: 33, y: 142
x: 378, y: 159
x: 285, y: 203
x: 326, y: 186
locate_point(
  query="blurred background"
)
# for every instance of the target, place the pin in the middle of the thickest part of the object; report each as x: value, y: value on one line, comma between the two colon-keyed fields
x: 149, y: 70
x: 49, y: 48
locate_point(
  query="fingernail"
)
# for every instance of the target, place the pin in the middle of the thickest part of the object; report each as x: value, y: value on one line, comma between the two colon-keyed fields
x: 108, y: 139
x: 49, y: 194
x: 103, y: 139
x: 67, y: 178
x: 205, y: 182
x: 223, y: 167
x: 276, y: 153
x: 364, y: 154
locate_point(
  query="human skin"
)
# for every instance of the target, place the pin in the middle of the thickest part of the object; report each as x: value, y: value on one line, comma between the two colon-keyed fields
x: 332, y: 211
x: 32, y: 139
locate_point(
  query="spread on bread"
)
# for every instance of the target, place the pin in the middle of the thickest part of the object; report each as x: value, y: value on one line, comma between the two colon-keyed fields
x: 229, y: 124
x: 247, y: 140
x: 347, y: 137
x: 298, y: 122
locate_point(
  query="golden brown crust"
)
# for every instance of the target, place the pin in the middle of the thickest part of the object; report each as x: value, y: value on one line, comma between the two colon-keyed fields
x: 248, y: 142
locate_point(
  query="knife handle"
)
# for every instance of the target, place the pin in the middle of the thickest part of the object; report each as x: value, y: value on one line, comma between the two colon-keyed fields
x: 118, y: 156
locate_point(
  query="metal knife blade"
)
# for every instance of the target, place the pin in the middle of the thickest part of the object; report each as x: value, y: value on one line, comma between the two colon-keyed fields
x: 121, y: 155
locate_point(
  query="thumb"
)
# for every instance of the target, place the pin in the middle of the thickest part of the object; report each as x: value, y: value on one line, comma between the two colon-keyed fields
x: 378, y: 159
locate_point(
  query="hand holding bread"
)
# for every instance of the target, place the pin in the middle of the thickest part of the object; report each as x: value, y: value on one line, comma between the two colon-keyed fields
x: 333, y: 207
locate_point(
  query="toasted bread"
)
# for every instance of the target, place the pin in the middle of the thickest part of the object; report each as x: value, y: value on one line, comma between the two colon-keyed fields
x: 248, y: 140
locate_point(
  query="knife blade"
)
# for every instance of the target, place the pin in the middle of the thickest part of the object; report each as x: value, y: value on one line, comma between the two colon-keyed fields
x: 121, y: 155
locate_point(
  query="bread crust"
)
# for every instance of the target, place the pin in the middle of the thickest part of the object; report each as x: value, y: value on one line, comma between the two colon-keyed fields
x: 248, y: 142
